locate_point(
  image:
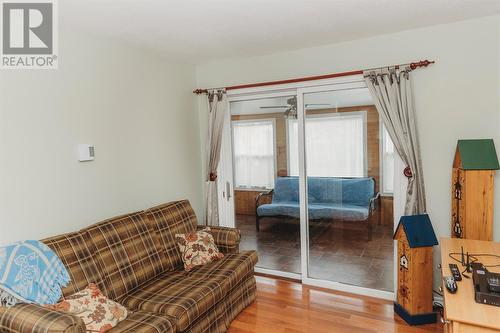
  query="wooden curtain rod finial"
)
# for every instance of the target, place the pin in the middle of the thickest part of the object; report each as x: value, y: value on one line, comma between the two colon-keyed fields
x: 200, y: 91
x: 423, y: 63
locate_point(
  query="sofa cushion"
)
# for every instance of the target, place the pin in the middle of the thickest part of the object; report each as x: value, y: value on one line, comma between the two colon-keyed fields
x: 128, y: 252
x: 167, y: 220
x: 144, y: 322
x: 186, y: 296
x: 286, y: 189
x: 212, y: 321
x: 316, y: 211
x: 219, y: 317
x: 355, y: 191
x: 77, y: 253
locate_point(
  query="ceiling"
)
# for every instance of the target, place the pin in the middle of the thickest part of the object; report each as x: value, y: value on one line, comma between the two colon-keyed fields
x: 200, y: 31
x: 330, y: 99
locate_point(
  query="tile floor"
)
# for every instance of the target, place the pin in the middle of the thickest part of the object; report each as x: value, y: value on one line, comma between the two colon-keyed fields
x: 338, y: 253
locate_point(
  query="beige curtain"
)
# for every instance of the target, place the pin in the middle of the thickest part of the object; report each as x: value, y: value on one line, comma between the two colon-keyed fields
x: 391, y: 90
x: 217, y: 105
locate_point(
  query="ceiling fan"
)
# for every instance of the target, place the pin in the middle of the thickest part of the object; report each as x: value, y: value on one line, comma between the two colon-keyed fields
x: 291, y: 107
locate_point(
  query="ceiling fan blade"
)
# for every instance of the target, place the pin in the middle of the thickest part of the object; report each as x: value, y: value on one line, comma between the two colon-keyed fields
x: 317, y: 104
x: 275, y: 107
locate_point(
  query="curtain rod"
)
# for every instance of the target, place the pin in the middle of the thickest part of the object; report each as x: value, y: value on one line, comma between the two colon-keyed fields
x: 412, y: 65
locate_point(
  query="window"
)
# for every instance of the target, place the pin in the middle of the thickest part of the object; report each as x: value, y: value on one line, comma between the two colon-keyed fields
x: 335, y: 145
x: 387, y: 160
x: 253, y: 147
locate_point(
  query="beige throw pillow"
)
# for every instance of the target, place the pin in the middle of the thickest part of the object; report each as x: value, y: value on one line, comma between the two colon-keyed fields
x: 99, y: 313
x: 197, y: 248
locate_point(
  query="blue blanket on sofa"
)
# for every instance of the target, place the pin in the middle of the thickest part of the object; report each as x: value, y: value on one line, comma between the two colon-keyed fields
x: 31, y: 272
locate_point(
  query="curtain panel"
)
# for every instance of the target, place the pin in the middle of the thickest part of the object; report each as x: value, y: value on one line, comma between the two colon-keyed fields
x: 392, y: 93
x: 217, y: 106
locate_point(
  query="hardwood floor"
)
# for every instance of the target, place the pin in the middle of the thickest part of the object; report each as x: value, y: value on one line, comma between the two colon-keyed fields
x: 289, y: 307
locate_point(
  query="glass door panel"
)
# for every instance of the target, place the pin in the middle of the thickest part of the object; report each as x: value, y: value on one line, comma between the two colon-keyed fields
x: 348, y: 241
x: 267, y: 208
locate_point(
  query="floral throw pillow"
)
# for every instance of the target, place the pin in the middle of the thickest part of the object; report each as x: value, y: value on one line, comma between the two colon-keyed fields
x: 99, y: 313
x: 197, y: 248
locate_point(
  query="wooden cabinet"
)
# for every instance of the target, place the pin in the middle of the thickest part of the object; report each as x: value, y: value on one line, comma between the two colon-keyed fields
x: 456, y: 327
x: 461, y: 312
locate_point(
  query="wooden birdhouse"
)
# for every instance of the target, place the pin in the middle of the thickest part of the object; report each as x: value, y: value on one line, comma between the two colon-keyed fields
x: 416, y: 238
x: 472, y: 189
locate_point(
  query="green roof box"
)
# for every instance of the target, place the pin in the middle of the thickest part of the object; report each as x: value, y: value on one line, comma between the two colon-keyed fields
x: 479, y: 154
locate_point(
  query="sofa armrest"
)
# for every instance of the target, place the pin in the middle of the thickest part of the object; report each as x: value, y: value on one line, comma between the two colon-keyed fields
x: 373, y: 202
x: 372, y: 206
x: 261, y: 196
x: 27, y: 318
x: 226, y: 239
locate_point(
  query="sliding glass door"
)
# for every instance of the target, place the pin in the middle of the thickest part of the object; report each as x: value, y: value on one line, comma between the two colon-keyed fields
x: 346, y: 243
x: 267, y: 202
x: 312, y: 179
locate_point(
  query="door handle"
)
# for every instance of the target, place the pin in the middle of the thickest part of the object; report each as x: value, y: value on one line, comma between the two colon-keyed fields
x: 228, y: 191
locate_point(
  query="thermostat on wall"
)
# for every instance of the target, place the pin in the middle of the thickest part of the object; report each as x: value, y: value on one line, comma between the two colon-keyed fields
x: 85, y: 152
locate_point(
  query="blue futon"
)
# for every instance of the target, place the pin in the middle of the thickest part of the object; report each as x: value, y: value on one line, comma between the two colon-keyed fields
x: 329, y: 198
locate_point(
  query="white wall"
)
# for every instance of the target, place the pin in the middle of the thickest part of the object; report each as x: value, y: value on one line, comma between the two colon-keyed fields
x: 136, y: 108
x: 458, y: 97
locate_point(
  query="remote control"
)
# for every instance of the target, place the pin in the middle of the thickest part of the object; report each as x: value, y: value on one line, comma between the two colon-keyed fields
x: 450, y: 284
x: 455, y: 272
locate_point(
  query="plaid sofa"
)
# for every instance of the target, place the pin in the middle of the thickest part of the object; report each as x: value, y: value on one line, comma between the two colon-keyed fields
x: 135, y: 261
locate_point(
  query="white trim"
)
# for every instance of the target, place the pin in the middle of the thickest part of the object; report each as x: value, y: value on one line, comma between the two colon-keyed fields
x: 304, y: 230
x: 277, y: 273
x: 400, y: 186
x: 381, y: 162
x: 331, y: 285
x: 352, y: 289
x: 225, y: 188
x: 287, y: 143
x: 338, y: 86
x: 252, y: 189
x: 282, y: 89
x: 381, y: 156
x: 260, y: 95
x: 275, y: 152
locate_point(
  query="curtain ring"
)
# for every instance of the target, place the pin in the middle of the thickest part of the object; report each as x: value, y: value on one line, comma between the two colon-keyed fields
x: 211, y: 95
x: 406, y: 73
x: 373, y: 78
